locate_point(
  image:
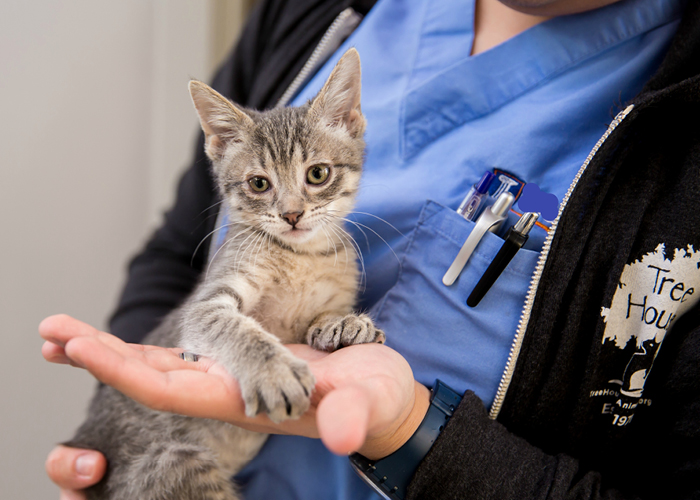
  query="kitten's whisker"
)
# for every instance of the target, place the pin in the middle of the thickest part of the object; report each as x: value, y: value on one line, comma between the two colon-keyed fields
x: 356, y: 224
x: 246, y: 228
x: 207, y: 236
x: 362, y: 285
x: 205, y: 219
x: 331, y: 227
x: 217, y: 253
x: 269, y: 241
x: 228, y: 240
x: 324, y: 205
x: 379, y: 219
x: 214, y: 214
x: 244, y: 252
x: 334, y: 230
x: 330, y: 243
x: 239, y: 233
x: 212, y: 206
x: 359, y: 228
x: 259, y: 247
x: 245, y: 259
x: 336, y: 217
x: 236, y: 261
x: 348, y: 236
x: 250, y: 249
x: 356, y: 246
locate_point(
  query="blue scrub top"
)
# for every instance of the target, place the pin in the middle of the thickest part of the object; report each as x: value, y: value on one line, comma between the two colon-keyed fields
x: 437, y: 119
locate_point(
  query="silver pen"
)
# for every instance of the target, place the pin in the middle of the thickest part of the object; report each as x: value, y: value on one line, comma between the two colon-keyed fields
x: 493, y: 215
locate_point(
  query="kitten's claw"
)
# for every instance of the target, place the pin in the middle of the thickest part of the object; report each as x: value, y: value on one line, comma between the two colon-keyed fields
x: 344, y: 331
x: 280, y: 388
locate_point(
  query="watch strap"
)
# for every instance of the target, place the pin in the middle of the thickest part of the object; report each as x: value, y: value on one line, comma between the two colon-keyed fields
x: 391, y: 475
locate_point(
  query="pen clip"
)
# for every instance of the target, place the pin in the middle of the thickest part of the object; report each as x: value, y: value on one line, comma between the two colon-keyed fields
x: 516, y: 238
x: 493, y: 215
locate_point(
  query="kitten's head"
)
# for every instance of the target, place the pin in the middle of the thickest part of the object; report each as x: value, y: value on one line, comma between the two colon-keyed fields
x: 288, y: 171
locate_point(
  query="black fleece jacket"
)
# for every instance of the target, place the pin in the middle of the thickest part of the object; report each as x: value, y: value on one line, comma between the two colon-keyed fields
x: 583, y: 415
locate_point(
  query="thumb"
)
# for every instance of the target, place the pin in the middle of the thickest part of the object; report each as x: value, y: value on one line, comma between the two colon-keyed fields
x: 75, y: 469
x: 342, y: 418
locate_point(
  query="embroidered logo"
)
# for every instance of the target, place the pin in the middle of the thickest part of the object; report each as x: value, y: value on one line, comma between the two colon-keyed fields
x: 652, y: 293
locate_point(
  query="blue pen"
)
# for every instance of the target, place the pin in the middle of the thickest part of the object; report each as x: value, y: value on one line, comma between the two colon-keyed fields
x: 472, y: 202
x: 493, y: 215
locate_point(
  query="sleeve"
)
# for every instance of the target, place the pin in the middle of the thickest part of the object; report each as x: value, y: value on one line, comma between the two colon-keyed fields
x: 277, y: 40
x: 167, y: 269
x: 476, y: 457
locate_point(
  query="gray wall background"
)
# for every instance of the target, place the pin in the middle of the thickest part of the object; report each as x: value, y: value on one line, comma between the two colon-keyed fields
x: 95, y: 126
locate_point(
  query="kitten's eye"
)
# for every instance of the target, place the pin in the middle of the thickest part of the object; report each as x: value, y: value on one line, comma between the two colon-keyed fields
x: 317, y: 174
x: 259, y: 184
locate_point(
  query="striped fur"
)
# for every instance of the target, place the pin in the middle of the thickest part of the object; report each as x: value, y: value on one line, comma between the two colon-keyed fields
x: 286, y: 273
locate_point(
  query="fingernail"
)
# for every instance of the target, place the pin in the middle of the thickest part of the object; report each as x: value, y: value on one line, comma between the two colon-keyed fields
x: 85, y: 465
x: 60, y: 359
x: 75, y: 364
x: 72, y: 355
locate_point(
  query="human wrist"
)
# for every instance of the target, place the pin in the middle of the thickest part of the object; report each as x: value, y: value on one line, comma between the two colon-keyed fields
x: 394, y: 438
x: 389, y: 476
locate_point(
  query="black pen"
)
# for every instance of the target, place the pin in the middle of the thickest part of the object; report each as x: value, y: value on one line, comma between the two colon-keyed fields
x: 515, y: 239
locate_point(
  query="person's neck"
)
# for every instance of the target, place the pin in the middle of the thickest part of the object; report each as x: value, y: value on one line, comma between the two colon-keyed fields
x: 494, y: 23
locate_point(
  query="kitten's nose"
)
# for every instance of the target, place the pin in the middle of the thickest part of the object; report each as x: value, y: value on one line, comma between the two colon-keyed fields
x: 292, y: 217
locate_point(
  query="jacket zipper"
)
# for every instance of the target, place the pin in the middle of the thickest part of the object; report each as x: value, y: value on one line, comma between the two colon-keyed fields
x: 341, y: 27
x: 534, y: 283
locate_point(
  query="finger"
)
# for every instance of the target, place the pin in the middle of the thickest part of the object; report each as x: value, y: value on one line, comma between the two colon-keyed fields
x: 169, y: 360
x: 60, y: 328
x: 75, y: 469
x: 72, y: 495
x: 306, y: 352
x: 54, y: 353
x: 160, y: 358
x: 343, y: 418
x: 186, y: 391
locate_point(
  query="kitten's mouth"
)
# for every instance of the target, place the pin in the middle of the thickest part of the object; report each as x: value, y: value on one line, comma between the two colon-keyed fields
x: 296, y: 232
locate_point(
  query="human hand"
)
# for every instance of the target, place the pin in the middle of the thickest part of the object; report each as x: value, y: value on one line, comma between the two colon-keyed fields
x: 73, y: 470
x: 365, y: 399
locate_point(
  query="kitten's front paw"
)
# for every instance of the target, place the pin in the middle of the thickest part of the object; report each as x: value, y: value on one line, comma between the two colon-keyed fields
x: 345, y: 331
x: 280, y: 387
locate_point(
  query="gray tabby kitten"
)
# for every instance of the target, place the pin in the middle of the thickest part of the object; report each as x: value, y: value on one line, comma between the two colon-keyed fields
x: 286, y: 273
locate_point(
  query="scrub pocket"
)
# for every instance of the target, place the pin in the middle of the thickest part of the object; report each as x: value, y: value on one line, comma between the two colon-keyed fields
x: 431, y: 325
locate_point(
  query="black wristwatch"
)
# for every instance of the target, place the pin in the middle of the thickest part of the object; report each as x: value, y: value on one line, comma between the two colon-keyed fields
x: 390, y: 475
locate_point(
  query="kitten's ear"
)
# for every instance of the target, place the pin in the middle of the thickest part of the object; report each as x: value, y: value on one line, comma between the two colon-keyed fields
x: 222, y: 121
x: 338, y: 102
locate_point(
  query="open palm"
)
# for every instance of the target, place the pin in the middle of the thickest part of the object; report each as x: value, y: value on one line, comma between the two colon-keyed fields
x: 365, y: 397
